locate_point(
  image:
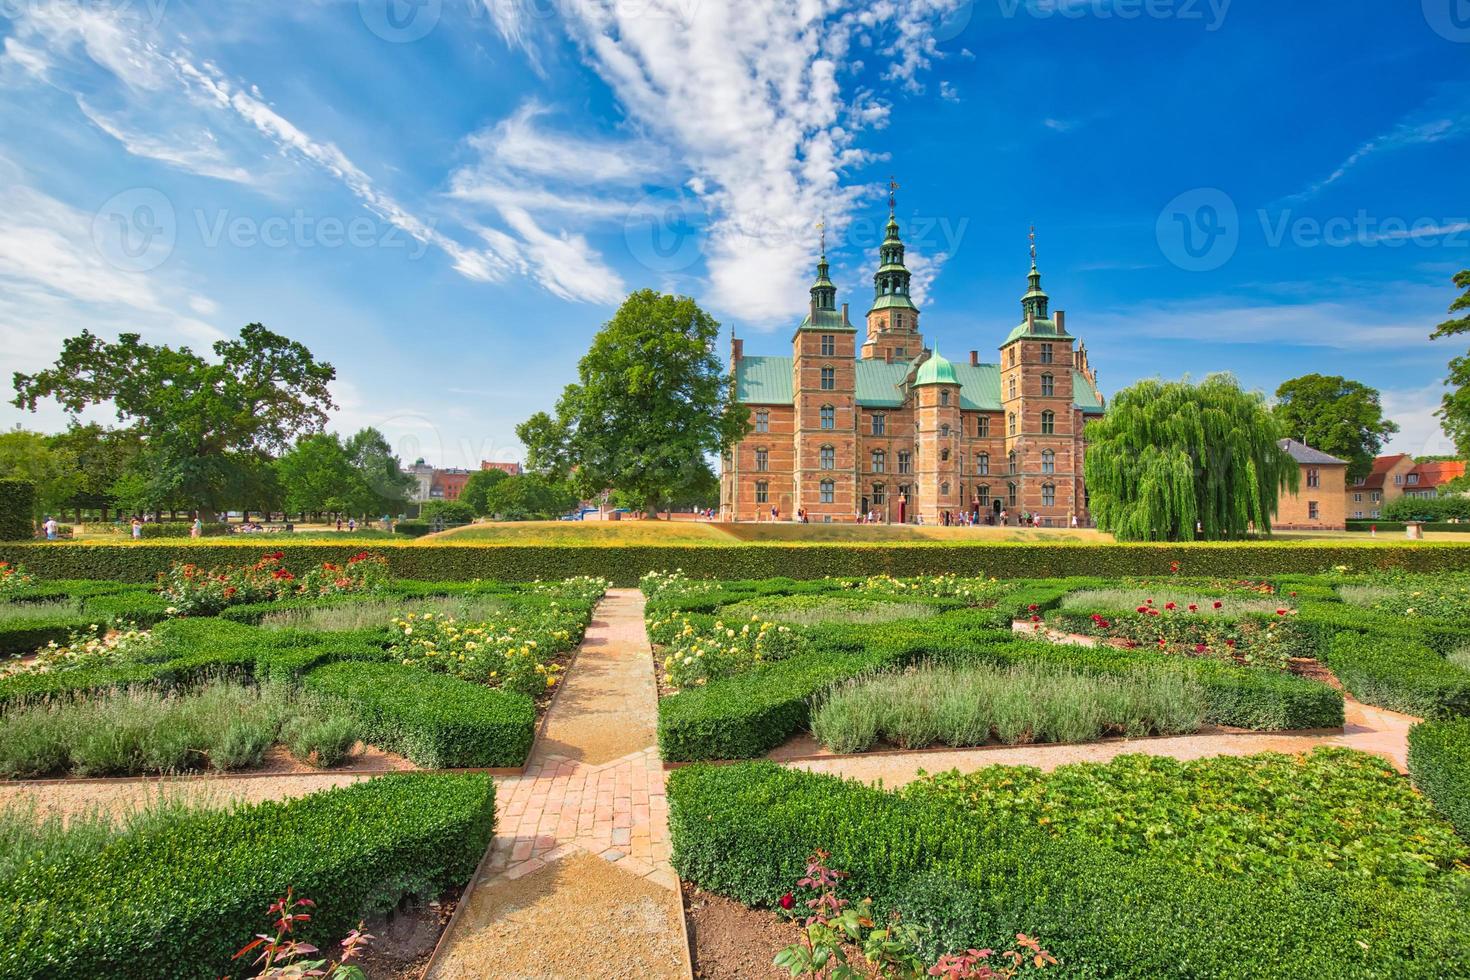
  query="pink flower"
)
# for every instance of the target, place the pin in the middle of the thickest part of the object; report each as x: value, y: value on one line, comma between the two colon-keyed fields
x: 788, y: 900
x: 1193, y: 607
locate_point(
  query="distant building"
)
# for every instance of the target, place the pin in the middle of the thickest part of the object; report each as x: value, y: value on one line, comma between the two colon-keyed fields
x: 513, y: 469
x: 1425, y: 479
x: 448, y: 484
x: 1397, y: 476
x: 423, y: 481
x: 1319, y: 503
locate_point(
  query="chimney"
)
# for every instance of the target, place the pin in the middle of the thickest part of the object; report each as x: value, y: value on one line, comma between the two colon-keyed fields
x: 1061, y: 316
x: 974, y: 358
x: 1030, y: 321
x: 844, y: 314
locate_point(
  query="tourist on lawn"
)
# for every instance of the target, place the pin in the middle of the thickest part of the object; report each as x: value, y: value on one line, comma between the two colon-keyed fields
x: 137, y: 529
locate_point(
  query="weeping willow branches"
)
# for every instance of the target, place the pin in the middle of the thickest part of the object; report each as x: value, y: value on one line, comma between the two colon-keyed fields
x: 1171, y: 456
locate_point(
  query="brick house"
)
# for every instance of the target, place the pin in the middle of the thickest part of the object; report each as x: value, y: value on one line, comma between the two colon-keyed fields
x: 1397, y: 476
x: 1320, y: 501
x: 897, y: 430
x: 1425, y: 479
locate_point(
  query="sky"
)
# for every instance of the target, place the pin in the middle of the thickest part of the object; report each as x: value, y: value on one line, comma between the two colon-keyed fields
x: 447, y: 198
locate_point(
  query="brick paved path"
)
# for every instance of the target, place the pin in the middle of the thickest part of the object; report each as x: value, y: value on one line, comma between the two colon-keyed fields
x: 594, y: 785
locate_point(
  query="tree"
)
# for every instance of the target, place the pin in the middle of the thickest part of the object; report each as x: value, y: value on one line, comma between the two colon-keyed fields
x: 650, y: 403
x: 317, y: 476
x: 26, y: 456
x: 450, y: 512
x: 102, y: 456
x: 381, y: 485
x: 477, y: 488
x: 529, y: 497
x: 207, y: 424
x: 1169, y: 455
x: 1454, y: 412
x: 1337, y: 416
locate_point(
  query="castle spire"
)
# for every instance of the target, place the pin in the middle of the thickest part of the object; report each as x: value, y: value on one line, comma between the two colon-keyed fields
x: 824, y: 293
x: 891, y: 283
x: 1033, y: 304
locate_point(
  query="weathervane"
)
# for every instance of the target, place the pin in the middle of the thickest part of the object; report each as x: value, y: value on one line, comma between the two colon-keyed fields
x: 1033, y: 244
x: 822, y: 227
x: 892, y: 189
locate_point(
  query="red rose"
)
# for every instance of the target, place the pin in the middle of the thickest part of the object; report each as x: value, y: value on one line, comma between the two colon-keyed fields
x: 1193, y: 607
x: 1032, y: 608
x: 1218, y: 603
x: 788, y: 900
x: 1200, y: 648
x: 1148, y: 602
x: 1281, y: 612
x: 1142, y: 609
x: 1168, y: 605
x: 1035, y: 619
x: 1230, y: 644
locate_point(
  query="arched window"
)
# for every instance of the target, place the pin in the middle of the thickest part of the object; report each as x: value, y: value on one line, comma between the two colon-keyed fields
x: 828, y: 492
x: 1048, y: 495
x: 1011, y: 424
x: 829, y: 417
x: 944, y: 397
x: 829, y: 379
x: 1048, y: 385
x: 1048, y: 461
x: 879, y: 496
x: 762, y: 492
x: 879, y: 459
x: 1012, y: 388
x: 982, y: 464
x: 762, y: 460
x: 763, y: 421
x: 1048, y: 423
x: 944, y: 431
x: 944, y: 489
x: 944, y: 455
x: 1011, y: 462
x: 829, y: 458
x: 1011, y: 492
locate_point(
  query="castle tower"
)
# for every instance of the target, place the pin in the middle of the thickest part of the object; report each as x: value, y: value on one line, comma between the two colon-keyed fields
x: 936, y: 391
x: 893, y: 321
x: 824, y: 386
x: 1036, y: 363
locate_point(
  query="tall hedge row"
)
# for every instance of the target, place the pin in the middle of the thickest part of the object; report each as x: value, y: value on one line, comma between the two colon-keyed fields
x: 624, y: 565
x: 1439, y: 762
x: 17, y: 511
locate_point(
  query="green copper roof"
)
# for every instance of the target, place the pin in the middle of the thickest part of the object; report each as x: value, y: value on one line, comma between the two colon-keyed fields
x: 767, y: 381
x: 1043, y: 329
x: 936, y: 371
x: 828, y: 320
x: 893, y: 301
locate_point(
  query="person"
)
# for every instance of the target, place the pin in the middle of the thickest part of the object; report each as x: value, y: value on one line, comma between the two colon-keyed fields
x: 1074, y: 522
x: 1002, y: 517
x: 351, y: 524
x: 137, y: 529
x: 339, y: 525
x: 197, y: 531
x: 50, y: 526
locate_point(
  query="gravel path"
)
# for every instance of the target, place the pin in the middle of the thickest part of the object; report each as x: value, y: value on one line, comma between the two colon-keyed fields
x: 123, y: 796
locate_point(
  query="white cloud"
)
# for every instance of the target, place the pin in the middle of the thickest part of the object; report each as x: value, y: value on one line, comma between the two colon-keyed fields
x: 1419, y: 430
x: 196, y: 151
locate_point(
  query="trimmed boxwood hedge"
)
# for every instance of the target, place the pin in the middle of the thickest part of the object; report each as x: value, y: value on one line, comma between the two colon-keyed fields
x: 745, y: 830
x: 435, y: 720
x: 1399, y: 674
x: 1439, y: 762
x: 178, y: 900
x: 624, y: 565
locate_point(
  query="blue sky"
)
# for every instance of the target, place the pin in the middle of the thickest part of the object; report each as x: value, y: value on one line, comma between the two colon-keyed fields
x: 446, y: 198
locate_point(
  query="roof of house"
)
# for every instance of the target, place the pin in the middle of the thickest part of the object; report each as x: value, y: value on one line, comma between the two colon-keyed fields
x: 1382, y: 466
x: 764, y: 380
x: 1306, y: 455
x: 1437, y: 473
x: 936, y: 370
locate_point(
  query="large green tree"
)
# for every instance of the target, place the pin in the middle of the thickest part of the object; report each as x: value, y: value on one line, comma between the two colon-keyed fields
x: 1337, y: 416
x: 529, y: 496
x: 477, y: 489
x: 650, y: 403
x: 381, y: 485
x: 1454, y: 412
x: 1168, y: 456
x: 103, y: 457
x: 26, y: 455
x: 209, y: 424
x: 317, y: 476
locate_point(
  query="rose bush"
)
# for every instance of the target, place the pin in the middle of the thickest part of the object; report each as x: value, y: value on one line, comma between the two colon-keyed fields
x: 195, y: 591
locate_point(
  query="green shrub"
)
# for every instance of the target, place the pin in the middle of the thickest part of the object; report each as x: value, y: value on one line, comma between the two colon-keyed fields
x: 436, y: 721
x: 17, y: 511
x: 744, y: 831
x: 25, y: 628
x: 1399, y: 674
x: 1439, y: 762
x: 178, y: 897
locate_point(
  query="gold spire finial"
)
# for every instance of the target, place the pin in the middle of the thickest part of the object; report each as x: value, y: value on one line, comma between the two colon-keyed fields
x: 822, y: 227
x: 892, y: 192
x: 1033, y: 244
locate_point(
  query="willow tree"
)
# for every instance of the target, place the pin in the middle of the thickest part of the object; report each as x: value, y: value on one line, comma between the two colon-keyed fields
x: 1171, y: 456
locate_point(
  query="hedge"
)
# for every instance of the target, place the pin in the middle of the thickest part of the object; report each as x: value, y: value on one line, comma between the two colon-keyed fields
x: 745, y: 830
x: 1439, y: 763
x: 178, y: 899
x: 17, y: 511
x: 435, y: 720
x: 143, y: 562
x: 1399, y: 674
x: 181, y: 529
x: 19, y: 637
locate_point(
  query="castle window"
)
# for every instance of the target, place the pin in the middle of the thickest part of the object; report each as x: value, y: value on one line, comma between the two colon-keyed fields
x: 944, y: 430
x: 900, y: 352
x: 1313, y: 512
x: 1011, y: 492
x: 905, y: 462
x: 982, y: 464
x: 1314, y: 478
x: 1048, y: 461
x: 944, y: 398
x: 829, y: 458
x: 763, y: 421
x: 1011, y: 463
x: 944, y: 455
x: 1046, y: 353
x: 762, y: 460
x: 829, y: 417
x: 879, y: 459
x: 944, y: 489
x: 829, y: 345
x: 880, y: 424
x: 1048, y: 495
x: 762, y: 492
x: 1013, y: 357
x: 828, y: 492
x: 982, y: 427
x: 982, y: 492
x: 1012, y: 388
x: 1048, y: 386
x: 1011, y: 424
x: 1048, y: 423
x: 829, y: 379
x: 878, y: 497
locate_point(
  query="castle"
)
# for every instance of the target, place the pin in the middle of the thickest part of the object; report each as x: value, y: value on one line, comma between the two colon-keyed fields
x: 897, y: 431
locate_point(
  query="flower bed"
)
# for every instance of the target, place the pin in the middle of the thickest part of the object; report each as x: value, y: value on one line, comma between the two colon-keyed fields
x: 195, y: 591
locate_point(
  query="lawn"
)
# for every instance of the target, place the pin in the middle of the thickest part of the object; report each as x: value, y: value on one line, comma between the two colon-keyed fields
x: 644, y: 533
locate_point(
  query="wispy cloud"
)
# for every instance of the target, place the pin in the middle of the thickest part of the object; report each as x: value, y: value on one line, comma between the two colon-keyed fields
x: 1419, y: 432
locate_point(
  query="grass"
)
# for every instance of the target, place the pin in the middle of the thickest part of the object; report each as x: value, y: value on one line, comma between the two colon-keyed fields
x: 1128, y: 599
x: 1025, y: 703
x: 370, y: 615
x: 221, y: 725
x: 30, y: 835
x: 813, y: 610
x: 704, y: 533
x: 1460, y: 658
